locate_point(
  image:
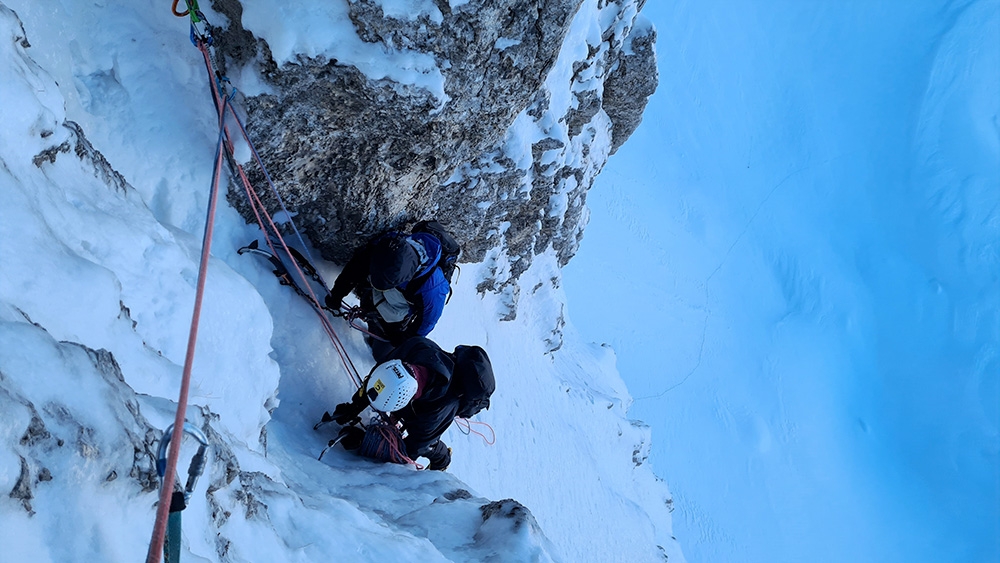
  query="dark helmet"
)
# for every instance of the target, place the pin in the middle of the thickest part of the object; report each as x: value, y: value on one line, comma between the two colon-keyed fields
x: 393, y: 262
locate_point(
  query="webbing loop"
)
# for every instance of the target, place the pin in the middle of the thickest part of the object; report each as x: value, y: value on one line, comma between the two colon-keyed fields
x: 465, y: 427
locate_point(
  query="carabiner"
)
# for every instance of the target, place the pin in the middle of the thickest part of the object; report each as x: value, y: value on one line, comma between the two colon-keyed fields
x: 197, y: 466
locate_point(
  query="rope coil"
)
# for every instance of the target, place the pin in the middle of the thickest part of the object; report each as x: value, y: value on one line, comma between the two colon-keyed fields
x: 384, y: 442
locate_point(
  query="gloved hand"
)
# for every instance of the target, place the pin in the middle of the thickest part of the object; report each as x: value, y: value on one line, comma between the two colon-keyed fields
x: 346, y: 412
x: 396, y: 335
x: 334, y: 303
x: 440, y: 458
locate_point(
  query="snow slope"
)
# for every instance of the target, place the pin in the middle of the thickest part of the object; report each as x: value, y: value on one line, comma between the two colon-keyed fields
x: 96, y: 289
x: 812, y: 213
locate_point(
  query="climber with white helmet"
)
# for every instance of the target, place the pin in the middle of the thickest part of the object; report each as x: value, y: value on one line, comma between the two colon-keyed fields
x: 424, y: 388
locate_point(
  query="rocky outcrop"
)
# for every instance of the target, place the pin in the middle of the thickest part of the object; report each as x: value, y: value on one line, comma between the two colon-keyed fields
x: 87, y: 154
x: 63, y: 444
x: 496, y: 155
x: 629, y: 86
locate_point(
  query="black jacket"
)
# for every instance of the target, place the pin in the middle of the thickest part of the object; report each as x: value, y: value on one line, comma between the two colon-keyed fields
x: 428, y: 417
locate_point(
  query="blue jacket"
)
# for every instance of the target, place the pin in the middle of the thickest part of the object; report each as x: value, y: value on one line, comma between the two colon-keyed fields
x: 429, y: 288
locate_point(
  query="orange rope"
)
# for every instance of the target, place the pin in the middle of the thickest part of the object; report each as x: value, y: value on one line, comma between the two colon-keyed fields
x: 167, y: 487
x: 173, y: 9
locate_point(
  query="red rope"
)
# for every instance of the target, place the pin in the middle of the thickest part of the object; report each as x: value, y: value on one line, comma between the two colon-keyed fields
x: 167, y: 487
x: 397, y: 452
x: 259, y: 211
x: 466, y: 426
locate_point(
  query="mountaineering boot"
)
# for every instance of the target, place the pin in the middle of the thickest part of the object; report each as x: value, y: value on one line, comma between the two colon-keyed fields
x: 350, y: 437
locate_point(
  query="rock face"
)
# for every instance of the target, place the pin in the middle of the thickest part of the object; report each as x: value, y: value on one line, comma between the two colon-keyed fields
x: 503, y: 157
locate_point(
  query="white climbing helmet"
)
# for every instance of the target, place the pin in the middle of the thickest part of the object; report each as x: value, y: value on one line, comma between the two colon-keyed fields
x: 390, y: 386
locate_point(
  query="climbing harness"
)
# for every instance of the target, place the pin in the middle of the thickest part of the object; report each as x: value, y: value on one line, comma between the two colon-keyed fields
x: 352, y: 314
x: 349, y: 313
x: 180, y: 498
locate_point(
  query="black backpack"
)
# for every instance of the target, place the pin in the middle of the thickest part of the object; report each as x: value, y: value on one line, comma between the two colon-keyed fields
x: 472, y: 380
x: 450, y: 249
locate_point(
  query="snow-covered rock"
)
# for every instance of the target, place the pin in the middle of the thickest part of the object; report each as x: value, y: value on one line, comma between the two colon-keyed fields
x: 499, y: 101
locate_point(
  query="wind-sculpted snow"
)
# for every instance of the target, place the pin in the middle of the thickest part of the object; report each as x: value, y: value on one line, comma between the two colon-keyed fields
x: 75, y: 451
x: 92, y: 265
x: 99, y: 262
x: 84, y: 462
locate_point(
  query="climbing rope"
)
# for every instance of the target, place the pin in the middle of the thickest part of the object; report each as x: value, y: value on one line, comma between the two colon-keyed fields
x: 274, y: 190
x: 264, y: 219
x: 166, y: 488
x: 261, y: 215
x: 384, y: 442
x: 224, y: 149
x: 465, y: 426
